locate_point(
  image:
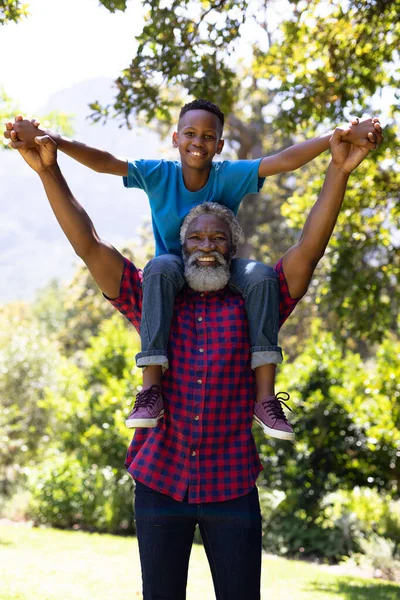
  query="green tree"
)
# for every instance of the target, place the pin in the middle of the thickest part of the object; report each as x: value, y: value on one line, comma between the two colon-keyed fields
x: 325, y: 55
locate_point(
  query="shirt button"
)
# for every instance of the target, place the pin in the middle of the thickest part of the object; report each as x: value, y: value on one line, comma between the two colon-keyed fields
x: 200, y: 318
x: 202, y: 294
x: 199, y: 381
x: 196, y: 418
x: 193, y: 453
x: 201, y: 350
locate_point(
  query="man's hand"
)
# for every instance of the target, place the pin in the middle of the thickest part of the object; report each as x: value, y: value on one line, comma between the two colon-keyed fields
x: 41, y: 157
x: 346, y: 156
x: 366, y: 133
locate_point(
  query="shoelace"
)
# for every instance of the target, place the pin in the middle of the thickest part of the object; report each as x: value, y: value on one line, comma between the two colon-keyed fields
x: 274, y: 406
x: 147, y: 397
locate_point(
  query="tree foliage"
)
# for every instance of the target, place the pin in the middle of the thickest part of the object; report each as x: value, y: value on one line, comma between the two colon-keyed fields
x: 328, y: 55
x: 185, y: 44
x: 12, y: 11
x: 333, y: 56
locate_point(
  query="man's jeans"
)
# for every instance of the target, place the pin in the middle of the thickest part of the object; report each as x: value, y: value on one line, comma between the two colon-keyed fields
x: 231, y: 533
x: 258, y: 284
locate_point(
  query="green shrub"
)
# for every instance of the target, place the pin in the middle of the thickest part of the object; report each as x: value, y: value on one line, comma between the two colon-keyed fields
x: 345, y: 518
x: 379, y: 553
x: 68, y: 494
x: 296, y: 535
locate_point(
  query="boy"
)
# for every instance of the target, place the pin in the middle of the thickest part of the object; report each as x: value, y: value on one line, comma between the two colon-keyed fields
x: 174, y: 189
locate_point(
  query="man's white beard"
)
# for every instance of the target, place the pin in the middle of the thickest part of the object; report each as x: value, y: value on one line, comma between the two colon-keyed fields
x: 206, y: 279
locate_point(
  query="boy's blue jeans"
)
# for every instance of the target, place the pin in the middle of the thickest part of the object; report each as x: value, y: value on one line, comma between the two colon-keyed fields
x: 258, y: 284
x: 231, y: 533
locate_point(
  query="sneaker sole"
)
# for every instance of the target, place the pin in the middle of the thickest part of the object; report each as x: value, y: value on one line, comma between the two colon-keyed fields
x: 132, y: 423
x: 275, y: 433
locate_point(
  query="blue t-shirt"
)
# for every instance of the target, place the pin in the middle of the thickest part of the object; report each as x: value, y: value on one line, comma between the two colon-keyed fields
x: 170, y: 201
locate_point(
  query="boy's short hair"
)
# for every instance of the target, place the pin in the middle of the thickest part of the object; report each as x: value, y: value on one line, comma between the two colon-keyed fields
x: 201, y: 104
x: 220, y: 211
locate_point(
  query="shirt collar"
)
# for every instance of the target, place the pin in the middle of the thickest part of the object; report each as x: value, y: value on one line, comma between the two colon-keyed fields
x: 193, y: 296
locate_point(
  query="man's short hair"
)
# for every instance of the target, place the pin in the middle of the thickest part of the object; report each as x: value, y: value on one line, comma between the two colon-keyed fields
x: 220, y: 211
x: 207, y: 105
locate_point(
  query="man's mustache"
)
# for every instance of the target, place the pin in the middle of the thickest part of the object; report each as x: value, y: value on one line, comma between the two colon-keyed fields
x: 220, y: 259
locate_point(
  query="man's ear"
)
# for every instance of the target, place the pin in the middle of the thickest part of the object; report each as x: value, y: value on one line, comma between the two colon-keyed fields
x: 175, y: 139
x: 220, y: 146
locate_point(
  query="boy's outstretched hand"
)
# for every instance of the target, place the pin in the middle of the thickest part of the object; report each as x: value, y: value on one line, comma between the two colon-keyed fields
x: 346, y: 156
x: 42, y: 156
x: 367, y: 133
x: 22, y: 132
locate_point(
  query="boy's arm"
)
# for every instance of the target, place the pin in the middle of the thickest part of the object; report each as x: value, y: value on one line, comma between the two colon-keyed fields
x: 301, y: 259
x: 366, y: 133
x: 105, y: 263
x: 98, y: 160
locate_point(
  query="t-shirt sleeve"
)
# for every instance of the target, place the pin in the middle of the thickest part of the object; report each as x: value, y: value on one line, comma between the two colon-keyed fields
x: 141, y: 173
x: 129, y: 301
x: 287, y: 304
x: 239, y: 178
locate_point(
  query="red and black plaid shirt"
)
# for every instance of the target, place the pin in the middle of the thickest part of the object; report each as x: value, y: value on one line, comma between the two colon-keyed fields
x: 203, y: 445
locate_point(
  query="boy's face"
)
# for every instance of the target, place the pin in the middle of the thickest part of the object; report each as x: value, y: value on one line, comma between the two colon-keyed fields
x: 198, y: 138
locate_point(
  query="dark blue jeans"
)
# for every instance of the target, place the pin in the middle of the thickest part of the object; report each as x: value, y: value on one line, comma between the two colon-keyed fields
x: 231, y: 533
x: 257, y: 283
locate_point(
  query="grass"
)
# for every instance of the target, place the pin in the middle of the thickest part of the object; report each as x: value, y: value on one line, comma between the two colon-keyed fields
x: 46, y: 564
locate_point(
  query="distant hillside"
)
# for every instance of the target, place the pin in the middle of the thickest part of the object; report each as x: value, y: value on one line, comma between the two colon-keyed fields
x: 32, y: 247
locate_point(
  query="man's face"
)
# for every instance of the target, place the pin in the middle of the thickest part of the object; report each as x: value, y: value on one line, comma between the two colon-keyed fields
x: 207, y: 253
x: 198, y: 138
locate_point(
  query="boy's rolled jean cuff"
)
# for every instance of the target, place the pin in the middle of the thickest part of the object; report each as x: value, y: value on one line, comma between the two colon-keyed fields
x: 152, y: 357
x: 265, y: 356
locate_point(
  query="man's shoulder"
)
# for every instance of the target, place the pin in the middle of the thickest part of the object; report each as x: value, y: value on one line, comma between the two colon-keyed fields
x: 131, y: 283
x: 286, y: 302
x: 129, y: 300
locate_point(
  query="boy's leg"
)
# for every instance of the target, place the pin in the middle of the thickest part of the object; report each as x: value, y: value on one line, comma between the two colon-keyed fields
x: 165, y: 530
x: 231, y: 533
x: 259, y: 286
x: 162, y: 280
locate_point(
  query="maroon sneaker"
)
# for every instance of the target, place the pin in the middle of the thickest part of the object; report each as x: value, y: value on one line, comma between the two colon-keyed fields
x: 148, y: 408
x: 269, y: 414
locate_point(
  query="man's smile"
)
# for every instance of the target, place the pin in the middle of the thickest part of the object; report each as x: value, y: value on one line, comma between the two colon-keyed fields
x: 206, y: 260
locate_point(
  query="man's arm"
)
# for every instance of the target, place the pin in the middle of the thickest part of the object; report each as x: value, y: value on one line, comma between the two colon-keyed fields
x: 366, y: 133
x: 300, y: 261
x: 94, y: 158
x: 104, y: 262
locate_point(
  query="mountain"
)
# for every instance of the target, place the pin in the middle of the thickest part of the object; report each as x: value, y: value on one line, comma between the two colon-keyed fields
x: 33, y: 250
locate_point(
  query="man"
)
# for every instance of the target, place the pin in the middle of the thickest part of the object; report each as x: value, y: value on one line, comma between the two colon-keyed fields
x: 200, y: 464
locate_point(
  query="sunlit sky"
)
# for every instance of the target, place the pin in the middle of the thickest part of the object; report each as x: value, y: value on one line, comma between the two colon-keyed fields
x: 63, y: 42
